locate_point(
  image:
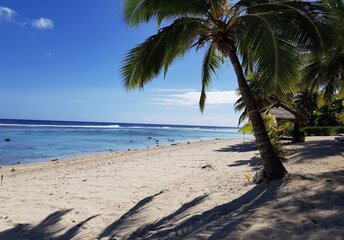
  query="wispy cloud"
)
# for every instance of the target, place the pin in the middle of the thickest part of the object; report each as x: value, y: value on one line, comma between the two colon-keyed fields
x: 10, y: 15
x: 174, y: 90
x: 78, y: 100
x: 42, y: 23
x: 7, y: 14
x: 191, y: 98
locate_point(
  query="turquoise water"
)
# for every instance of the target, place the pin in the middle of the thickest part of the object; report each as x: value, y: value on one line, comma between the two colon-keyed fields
x: 35, y: 141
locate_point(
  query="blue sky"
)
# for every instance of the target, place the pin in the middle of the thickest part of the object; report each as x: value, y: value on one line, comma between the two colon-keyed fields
x: 60, y: 60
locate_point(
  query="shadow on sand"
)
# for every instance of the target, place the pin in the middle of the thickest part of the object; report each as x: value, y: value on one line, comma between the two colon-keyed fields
x: 241, y: 147
x: 254, y: 162
x: 274, y: 200
x: 265, y: 203
x: 47, y: 229
x: 127, y: 219
x: 316, y: 150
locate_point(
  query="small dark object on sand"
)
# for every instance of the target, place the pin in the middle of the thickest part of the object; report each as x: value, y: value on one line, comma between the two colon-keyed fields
x: 174, y: 144
x: 13, y: 170
x: 206, y: 166
x: 54, y: 160
x: 7, y: 140
x: 2, y: 179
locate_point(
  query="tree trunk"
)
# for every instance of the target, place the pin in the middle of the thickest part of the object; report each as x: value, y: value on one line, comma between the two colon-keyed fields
x: 272, y: 165
x: 296, y: 133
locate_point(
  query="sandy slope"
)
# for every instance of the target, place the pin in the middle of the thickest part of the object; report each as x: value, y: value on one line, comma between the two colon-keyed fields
x: 189, y: 191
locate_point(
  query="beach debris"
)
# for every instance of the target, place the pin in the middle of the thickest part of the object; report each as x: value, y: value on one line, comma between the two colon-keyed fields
x: 1, y: 180
x: 208, y: 166
x: 84, y: 180
x: 13, y: 170
x: 54, y: 160
x: 188, y: 142
x: 174, y: 144
x: 7, y: 139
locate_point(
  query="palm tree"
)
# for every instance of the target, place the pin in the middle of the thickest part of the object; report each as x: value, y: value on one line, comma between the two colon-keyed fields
x: 306, y: 102
x: 326, y: 70
x: 265, y: 35
x: 262, y: 98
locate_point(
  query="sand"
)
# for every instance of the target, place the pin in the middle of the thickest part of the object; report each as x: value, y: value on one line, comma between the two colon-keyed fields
x: 199, y: 190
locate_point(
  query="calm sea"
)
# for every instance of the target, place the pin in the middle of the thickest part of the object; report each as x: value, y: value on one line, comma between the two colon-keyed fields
x: 38, y: 140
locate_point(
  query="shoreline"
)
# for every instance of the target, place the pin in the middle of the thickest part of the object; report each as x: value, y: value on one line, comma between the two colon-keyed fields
x: 153, y: 146
x: 157, y: 191
x: 110, y: 151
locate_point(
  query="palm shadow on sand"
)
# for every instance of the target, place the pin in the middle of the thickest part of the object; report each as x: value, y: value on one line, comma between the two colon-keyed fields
x: 49, y: 228
x: 240, y: 147
x: 254, y: 162
x: 223, y: 221
x: 316, y: 150
x: 113, y: 231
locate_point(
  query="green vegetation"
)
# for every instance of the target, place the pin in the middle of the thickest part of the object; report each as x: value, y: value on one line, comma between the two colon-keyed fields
x: 323, y: 131
x: 263, y: 39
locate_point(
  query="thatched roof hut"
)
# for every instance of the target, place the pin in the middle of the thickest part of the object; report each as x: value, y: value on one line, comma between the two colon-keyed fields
x: 280, y: 111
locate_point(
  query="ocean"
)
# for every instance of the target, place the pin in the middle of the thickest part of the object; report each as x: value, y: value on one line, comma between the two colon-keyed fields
x: 28, y: 141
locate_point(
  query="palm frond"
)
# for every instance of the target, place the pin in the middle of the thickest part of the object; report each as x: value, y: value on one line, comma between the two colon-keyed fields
x: 138, y: 11
x: 310, y: 20
x: 273, y: 52
x: 145, y: 61
x: 211, y: 63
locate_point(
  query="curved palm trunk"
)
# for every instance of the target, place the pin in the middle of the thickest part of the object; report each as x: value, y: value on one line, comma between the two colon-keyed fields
x: 272, y: 165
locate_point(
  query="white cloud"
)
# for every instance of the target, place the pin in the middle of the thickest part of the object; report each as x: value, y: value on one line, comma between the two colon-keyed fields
x: 174, y: 90
x: 191, y: 98
x: 43, y: 23
x: 7, y: 14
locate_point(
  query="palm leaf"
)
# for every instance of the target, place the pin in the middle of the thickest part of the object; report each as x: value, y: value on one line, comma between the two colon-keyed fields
x: 272, y: 51
x: 145, y: 61
x: 311, y: 21
x: 211, y: 63
x: 138, y: 11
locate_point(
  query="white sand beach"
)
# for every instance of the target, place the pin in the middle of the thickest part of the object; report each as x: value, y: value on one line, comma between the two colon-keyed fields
x: 187, y: 191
